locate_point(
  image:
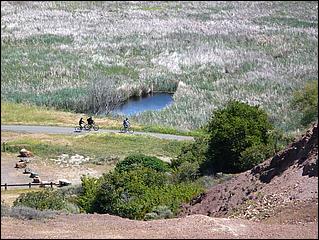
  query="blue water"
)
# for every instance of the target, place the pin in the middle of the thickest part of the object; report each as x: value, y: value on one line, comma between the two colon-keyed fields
x: 155, y: 101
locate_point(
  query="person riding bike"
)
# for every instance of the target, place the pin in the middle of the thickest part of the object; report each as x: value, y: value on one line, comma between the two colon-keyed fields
x: 81, y: 123
x: 90, y: 121
x: 126, y: 124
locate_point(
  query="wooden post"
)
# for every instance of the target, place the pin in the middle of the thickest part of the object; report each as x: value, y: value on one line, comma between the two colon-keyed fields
x: 4, y: 146
x: 5, y: 186
x: 51, y: 185
x: 29, y: 185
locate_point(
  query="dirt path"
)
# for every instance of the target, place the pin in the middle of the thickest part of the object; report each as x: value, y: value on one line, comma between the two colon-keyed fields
x: 88, y: 226
x: 47, y: 171
x: 69, y: 130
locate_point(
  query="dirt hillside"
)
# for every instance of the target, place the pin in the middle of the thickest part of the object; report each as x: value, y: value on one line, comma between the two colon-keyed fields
x: 282, y: 189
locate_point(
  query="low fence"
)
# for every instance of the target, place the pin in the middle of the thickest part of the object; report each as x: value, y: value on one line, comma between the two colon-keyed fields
x: 51, y: 184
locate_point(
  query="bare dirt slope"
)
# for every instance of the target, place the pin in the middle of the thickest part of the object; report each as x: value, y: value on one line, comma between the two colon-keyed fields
x: 283, y: 188
x: 87, y: 226
x: 279, y: 196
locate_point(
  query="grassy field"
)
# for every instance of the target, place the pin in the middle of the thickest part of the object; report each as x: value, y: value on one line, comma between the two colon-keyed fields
x: 95, y: 146
x: 55, y: 53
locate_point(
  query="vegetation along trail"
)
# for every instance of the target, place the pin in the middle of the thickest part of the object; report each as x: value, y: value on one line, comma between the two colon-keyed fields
x: 66, y: 130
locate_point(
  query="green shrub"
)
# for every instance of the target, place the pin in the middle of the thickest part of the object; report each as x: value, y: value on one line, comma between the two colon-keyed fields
x: 253, y: 155
x: 192, y: 152
x: 135, y: 193
x: 41, y: 200
x: 159, y: 212
x: 186, y: 172
x: 119, y: 188
x: 87, y: 196
x: 170, y: 195
x: 136, y: 160
x: 232, y: 130
x: 306, y: 101
x: 151, y: 216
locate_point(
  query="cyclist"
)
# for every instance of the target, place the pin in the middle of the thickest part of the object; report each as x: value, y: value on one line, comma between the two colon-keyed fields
x: 81, y: 123
x: 126, y: 124
x: 90, y: 121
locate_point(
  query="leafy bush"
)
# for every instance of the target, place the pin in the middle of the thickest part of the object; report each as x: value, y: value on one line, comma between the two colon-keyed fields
x: 232, y: 130
x: 306, y: 101
x: 192, y: 152
x: 170, y: 195
x: 118, y: 188
x: 41, y: 200
x: 136, y: 160
x: 186, y: 172
x: 135, y: 193
x: 253, y: 155
x: 86, y: 198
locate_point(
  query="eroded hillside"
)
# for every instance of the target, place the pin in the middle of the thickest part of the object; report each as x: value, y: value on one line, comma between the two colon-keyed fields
x: 280, y: 183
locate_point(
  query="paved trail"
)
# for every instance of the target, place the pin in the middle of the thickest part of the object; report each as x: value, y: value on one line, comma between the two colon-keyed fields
x: 70, y: 130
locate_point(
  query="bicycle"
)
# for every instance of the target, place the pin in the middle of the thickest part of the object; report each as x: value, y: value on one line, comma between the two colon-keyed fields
x: 88, y: 127
x: 127, y: 130
x: 79, y: 128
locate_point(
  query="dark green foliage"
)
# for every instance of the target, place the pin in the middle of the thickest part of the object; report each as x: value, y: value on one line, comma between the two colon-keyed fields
x: 135, y: 193
x: 192, y: 152
x: 306, y: 101
x: 233, y: 130
x: 86, y: 199
x: 187, y: 171
x: 41, y: 200
x: 170, y: 195
x: 253, y: 155
x: 136, y: 160
x: 118, y: 188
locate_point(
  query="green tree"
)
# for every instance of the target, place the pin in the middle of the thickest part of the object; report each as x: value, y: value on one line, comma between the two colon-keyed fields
x: 306, y: 101
x: 232, y: 130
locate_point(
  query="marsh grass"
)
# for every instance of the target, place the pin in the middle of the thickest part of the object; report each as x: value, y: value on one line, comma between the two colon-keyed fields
x: 256, y: 52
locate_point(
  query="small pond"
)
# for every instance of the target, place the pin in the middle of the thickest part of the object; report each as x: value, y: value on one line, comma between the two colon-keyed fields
x: 135, y: 105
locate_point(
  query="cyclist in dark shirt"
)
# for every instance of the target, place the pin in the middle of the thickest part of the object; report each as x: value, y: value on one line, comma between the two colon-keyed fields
x: 126, y: 124
x: 81, y: 123
x: 90, y: 121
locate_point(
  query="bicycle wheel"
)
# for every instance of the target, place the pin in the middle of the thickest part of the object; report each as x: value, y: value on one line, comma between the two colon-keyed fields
x: 131, y: 130
x: 96, y: 127
x: 87, y: 127
x: 77, y: 129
